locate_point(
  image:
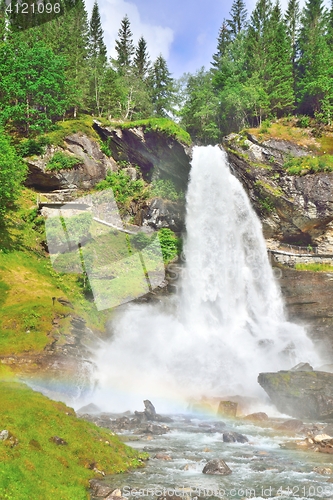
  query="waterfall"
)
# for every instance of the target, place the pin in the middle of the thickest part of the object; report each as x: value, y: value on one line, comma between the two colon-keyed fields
x: 224, y: 326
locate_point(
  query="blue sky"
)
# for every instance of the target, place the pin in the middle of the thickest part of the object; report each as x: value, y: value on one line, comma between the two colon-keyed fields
x: 184, y: 31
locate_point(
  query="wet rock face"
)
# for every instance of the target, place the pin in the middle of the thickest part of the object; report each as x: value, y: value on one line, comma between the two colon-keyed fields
x: 300, y: 394
x: 308, y: 297
x: 157, y: 155
x: 164, y: 213
x: 294, y: 209
x: 93, y: 167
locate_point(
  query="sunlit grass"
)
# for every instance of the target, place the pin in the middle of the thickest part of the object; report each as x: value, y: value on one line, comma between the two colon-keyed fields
x: 164, y: 125
x: 36, y: 467
x: 315, y: 267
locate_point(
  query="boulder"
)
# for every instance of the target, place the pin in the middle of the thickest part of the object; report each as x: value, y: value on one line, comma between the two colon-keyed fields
x: 300, y: 394
x: 90, y: 409
x: 234, y: 437
x: 227, y: 409
x: 293, y: 425
x: 257, y: 417
x: 92, y: 167
x: 216, y: 466
x: 99, y: 488
x: 150, y: 411
x: 302, y: 367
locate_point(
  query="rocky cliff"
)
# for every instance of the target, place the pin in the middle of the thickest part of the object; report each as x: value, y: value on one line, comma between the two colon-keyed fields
x: 293, y: 209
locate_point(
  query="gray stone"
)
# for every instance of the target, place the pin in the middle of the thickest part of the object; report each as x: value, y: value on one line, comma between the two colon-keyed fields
x: 99, y: 488
x: 300, y: 394
x: 302, y: 367
x: 234, y: 437
x: 4, y: 435
x: 257, y: 417
x: 293, y: 425
x: 90, y: 409
x: 92, y: 169
x: 217, y: 466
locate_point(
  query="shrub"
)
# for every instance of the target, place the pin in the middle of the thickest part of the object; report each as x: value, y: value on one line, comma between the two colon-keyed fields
x: 62, y: 161
x: 309, y: 164
x: 303, y: 121
x: 124, y: 188
x: 166, y: 189
x: 170, y: 244
x: 31, y: 147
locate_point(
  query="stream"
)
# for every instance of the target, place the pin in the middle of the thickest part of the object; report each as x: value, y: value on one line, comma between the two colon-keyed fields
x: 261, y: 468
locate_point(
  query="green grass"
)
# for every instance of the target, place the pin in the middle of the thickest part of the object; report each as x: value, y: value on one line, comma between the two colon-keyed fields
x: 164, y: 125
x: 309, y: 164
x: 83, y: 124
x: 28, y: 282
x: 62, y: 161
x: 37, y: 468
x: 315, y: 267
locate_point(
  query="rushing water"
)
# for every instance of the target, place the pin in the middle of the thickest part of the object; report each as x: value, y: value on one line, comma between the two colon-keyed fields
x: 261, y: 469
x: 223, y: 327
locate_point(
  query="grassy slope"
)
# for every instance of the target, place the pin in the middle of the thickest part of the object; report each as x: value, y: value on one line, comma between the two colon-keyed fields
x: 288, y: 130
x: 28, y: 282
x: 37, y: 468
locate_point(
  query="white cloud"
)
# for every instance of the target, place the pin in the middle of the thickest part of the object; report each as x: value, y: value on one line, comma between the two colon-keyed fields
x: 158, y: 38
x: 283, y: 3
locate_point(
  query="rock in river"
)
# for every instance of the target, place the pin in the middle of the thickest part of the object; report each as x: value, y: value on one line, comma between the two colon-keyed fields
x: 216, y: 466
x: 301, y: 394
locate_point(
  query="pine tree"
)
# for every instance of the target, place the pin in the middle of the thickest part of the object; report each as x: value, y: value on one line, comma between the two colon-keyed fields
x: 161, y: 85
x: 257, y: 40
x: 223, y: 41
x: 238, y: 14
x: 124, y: 46
x: 292, y: 24
x: 141, y: 60
x: 279, y: 69
x: 315, y: 92
x: 97, y: 57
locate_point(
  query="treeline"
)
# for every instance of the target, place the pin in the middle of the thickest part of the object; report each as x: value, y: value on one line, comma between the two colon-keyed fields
x: 267, y: 66
x: 61, y: 68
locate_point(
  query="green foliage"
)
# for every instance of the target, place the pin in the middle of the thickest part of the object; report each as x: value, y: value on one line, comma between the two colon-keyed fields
x: 168, y: 127
x: 33, y: 87
x: 36, y: 467
x: 264, y: 127
x: 309, y: 164
x: 161, y: 87
x: 124, y: 188
x: 12, y: 174
x: 105, y: 148
x: 200, y: 107
x: 32, y: 147
x: 170, y: 244
x: 166, y: 189
x: 62, y: 161
x: 303, y: 121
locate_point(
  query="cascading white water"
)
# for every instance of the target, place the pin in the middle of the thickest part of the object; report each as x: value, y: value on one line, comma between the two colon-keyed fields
x: 225, y: 325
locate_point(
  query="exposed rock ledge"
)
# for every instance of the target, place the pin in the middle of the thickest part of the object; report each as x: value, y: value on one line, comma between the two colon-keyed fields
x: 293, y: 209
x: 301, y: 394
x: 92, y: 169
